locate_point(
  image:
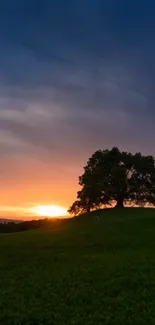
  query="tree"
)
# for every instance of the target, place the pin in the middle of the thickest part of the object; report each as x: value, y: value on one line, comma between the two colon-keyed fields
x: 114, y: 175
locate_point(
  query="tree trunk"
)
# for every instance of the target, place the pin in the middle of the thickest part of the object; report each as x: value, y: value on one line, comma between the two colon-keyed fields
x: 119, y: 203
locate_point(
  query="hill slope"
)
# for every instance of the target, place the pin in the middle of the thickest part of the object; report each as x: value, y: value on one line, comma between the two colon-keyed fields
x: 81, y: 271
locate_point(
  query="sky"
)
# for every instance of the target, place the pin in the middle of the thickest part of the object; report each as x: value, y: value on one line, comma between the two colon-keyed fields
x: 75, y: 76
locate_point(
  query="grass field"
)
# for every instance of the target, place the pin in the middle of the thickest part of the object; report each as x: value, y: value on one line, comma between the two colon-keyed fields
x: 81, y: 271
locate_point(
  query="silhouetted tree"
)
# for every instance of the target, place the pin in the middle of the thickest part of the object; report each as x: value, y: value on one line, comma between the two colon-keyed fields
x: 114, y: 175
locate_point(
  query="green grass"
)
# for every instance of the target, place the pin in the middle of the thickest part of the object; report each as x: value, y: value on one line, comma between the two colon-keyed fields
x: 81, y: 271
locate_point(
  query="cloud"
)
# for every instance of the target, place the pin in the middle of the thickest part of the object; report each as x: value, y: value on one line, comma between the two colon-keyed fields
x: 76, y: 75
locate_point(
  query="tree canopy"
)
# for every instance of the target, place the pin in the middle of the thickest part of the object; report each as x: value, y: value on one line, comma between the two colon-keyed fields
x: 115, y: 176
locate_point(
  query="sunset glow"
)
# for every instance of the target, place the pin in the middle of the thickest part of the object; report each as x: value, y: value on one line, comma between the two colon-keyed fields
x: 74, y: 79
x: 49, y: 211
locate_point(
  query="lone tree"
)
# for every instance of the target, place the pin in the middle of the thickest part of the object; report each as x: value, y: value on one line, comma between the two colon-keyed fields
x: 114, y: 175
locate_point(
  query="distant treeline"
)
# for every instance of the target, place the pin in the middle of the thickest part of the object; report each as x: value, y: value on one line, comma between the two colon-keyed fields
x: 23, y: 226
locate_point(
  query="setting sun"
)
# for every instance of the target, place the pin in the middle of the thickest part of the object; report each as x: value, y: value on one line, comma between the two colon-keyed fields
x: 49, y: 211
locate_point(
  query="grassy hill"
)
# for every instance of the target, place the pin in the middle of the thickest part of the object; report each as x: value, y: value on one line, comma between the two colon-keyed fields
x: 81, y: 271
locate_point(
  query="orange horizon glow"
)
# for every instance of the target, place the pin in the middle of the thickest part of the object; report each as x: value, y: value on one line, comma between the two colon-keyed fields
x: 27, y: 182
x: 33, y: 212
x: 51, y: 211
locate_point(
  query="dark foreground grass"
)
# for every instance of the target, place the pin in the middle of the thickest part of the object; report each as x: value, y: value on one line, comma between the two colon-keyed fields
x: 81, y: 271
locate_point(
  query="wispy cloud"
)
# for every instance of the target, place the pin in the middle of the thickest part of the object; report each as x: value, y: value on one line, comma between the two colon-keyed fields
x: 75, y: 76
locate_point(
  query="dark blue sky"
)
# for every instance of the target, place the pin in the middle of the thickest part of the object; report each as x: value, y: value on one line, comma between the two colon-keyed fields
x: 74, y: 76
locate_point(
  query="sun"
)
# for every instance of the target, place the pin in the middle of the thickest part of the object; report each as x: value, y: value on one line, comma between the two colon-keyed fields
x: 49, y: 211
